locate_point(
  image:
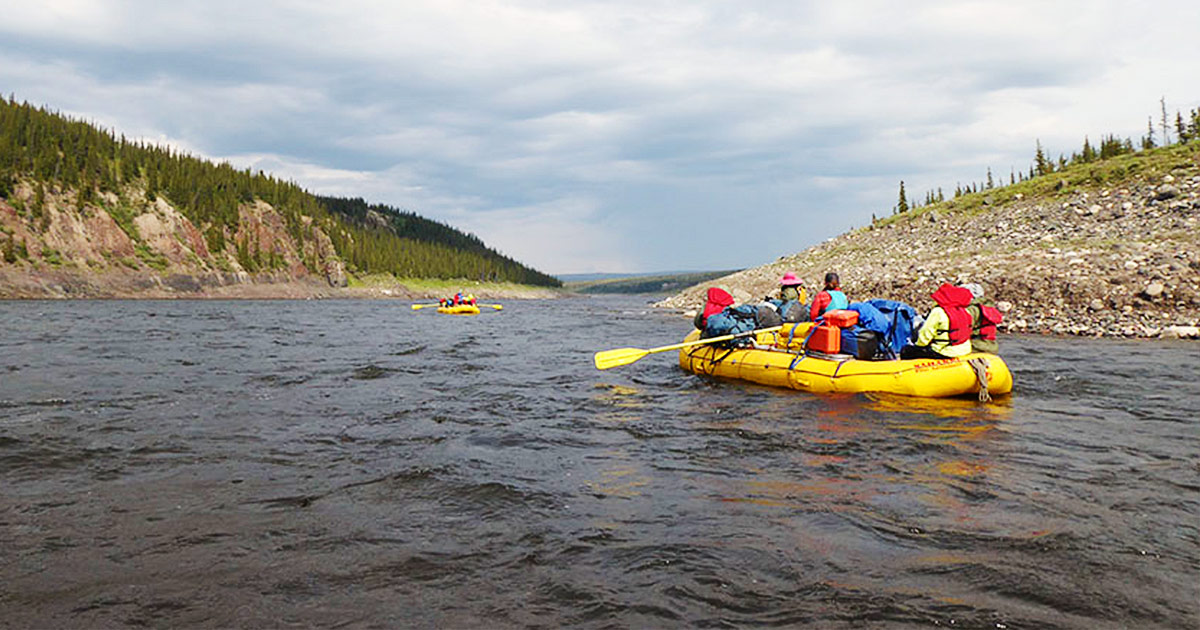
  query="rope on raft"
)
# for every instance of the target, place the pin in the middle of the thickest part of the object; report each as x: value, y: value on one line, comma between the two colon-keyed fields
x: 980, y: 365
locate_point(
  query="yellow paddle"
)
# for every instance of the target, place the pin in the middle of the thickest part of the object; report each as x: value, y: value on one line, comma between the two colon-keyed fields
x: 624, y: 356
x: 495, y: 306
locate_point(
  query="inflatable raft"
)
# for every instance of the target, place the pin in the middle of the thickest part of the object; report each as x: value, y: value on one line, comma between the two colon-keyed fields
x: 461, y: 309
x: 777, y: 360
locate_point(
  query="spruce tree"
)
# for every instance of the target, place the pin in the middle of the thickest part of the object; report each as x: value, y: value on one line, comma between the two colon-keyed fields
x: 1039, y: 160
x: 1166, y: 138
x: 902, y: 206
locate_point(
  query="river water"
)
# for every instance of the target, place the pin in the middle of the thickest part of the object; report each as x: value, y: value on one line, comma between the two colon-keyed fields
x: 361, y: 464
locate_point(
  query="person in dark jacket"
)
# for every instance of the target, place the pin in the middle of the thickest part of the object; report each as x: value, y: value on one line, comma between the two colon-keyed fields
x: 984, y: 318
x: 791, y: 288
x: 790, y: 304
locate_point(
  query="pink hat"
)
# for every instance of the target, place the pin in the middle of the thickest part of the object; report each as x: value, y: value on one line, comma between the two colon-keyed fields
x: 789, y: 279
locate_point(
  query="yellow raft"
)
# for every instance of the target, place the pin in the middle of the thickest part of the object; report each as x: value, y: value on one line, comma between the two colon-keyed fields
x: 461, y: 309
x: 773, y: 362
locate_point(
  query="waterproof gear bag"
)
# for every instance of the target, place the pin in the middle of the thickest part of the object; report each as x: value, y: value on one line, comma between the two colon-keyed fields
x: 860, y: 343
x: 902, y: 322
x: 731, y: 321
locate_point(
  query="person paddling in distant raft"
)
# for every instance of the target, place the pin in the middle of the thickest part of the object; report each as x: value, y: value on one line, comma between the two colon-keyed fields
x: 946, y: 332
x: 715, y: 302
x: 830, y: 298
x: 471, y: 299
x: 791, y: 300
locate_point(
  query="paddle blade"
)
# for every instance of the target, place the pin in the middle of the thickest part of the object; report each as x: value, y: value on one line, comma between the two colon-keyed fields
x: 621, y: 356
x: 497, y: 307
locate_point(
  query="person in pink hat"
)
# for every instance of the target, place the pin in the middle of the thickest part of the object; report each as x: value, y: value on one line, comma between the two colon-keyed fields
x: 791, y: 288
x: 790, y: 303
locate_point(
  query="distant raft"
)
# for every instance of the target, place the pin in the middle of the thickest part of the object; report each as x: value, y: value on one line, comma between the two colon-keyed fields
x: 772, y: 362
x: 460, y: 309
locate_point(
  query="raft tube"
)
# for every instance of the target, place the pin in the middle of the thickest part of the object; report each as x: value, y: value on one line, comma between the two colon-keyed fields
x: 773, y: 363
x: 461, y: 309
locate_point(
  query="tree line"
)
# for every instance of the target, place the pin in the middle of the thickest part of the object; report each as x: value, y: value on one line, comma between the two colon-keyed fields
x: 56, y: 153
x: 430, y: 238
x: 1186, y: 129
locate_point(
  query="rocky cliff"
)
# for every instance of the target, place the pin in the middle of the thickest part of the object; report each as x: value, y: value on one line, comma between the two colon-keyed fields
x: 56, y: 244
x: 1110, y: 249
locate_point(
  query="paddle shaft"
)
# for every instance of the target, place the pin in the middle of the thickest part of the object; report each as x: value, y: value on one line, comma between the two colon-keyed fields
x: 624, y: 356
x: 700, y: 342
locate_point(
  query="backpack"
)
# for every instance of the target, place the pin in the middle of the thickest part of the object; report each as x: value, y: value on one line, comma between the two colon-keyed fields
x: 790, y: 312
x: 733, y: 320
x: 793, y: 312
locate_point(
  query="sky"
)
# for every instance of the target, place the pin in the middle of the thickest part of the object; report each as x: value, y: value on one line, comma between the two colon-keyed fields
x: 611, y: 136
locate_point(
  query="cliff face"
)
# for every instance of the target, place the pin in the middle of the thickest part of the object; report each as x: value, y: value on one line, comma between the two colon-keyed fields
x: 56, y: 244
x: 1069, y: 255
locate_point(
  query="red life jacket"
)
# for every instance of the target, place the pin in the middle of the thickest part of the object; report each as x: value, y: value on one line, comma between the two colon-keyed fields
x: 717, y: 300
x: 989, y: 316
x: 954, y: 301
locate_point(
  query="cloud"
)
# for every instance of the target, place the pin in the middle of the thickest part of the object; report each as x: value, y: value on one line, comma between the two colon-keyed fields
x: 613, y: 135
x: 565, y: 232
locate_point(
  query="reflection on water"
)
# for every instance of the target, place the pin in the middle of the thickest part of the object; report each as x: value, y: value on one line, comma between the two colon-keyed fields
x: 456, y: 472
x: 955, y: 408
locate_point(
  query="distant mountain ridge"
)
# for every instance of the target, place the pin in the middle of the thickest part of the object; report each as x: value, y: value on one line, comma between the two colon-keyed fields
x: 87, y: 213
x: 588, y: 277
x: 641, y: 283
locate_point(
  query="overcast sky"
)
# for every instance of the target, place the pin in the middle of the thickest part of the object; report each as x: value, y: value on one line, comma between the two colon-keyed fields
x: 581, y: 136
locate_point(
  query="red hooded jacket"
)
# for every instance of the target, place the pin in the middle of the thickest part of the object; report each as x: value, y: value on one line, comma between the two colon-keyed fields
x: 717, y: 300
x: 954, y: 301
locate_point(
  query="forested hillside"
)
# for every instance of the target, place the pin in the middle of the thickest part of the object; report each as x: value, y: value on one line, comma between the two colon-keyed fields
x: 76, y: 197
x: 463, y: 255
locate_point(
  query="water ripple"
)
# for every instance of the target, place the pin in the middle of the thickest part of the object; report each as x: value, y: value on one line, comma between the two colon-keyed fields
x: 479, y: 472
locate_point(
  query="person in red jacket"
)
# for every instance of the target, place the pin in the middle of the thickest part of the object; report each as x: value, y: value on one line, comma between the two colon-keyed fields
x: 831, y: 298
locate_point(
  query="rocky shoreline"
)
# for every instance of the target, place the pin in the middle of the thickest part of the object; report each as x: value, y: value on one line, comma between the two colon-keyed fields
x: 1091, y: 260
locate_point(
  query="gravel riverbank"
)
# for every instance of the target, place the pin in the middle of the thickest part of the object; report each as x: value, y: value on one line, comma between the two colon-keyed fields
x: 1094, y: 260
